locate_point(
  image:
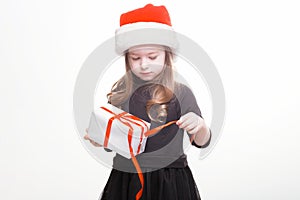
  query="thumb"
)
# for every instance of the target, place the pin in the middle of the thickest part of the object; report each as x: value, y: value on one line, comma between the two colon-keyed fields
x: 179, y: 121
x: 86, y: 137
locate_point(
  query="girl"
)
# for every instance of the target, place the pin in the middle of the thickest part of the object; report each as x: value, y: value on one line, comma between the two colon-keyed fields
x: 148, y: 90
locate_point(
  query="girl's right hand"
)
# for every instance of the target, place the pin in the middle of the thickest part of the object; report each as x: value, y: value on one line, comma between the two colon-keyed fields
x: 86, y: 137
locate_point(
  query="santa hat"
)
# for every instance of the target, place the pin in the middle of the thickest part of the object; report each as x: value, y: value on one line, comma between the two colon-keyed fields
x: 147, y: 25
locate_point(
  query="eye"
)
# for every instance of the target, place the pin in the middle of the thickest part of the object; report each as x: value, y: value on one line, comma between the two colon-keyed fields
x: 135, y: 58
x: 152, y: 57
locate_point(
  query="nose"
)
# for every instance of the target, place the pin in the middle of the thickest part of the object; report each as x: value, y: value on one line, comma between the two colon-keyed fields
x: 144, y: 64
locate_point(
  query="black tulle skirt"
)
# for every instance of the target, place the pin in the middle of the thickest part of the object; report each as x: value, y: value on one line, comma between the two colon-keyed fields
x: 162, y: 184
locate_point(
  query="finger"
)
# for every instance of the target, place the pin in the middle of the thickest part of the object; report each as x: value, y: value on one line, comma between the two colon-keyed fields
x: 189, y: 115
x: 185, y: 123
x: 86, y: 137
x: 182, y: 119
x: 95, y: 144
x: 193, y: 130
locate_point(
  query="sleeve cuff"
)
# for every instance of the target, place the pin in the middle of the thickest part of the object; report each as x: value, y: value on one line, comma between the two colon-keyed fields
x: 108, y: 150
x: 206, y: 144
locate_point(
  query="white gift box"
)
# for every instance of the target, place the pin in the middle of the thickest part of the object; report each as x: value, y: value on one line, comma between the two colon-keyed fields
x: 118, y: 130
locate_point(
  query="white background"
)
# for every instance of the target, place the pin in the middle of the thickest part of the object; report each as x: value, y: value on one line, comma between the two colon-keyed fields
x: 254, y: 45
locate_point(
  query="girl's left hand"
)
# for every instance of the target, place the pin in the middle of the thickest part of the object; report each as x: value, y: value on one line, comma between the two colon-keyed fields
x: 86, y: 137
x: 191, y: 122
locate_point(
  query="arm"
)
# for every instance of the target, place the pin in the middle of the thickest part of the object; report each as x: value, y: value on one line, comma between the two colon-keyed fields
x: 191, y: 119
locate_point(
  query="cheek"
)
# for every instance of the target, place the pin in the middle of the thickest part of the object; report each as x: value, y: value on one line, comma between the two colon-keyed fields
x: 134, y: 65
x: 159, y: 70
x: 161, y: 60
x: 159, y: 65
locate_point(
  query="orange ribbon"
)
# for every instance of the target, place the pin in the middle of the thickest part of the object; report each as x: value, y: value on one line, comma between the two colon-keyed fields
x: 125, y: 119
x: 156, y: 129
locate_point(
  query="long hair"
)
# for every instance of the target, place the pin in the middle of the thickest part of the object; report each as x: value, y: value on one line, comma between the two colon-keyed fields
x: 161, y: 91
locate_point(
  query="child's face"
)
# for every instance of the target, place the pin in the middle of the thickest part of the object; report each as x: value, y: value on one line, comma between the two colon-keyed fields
x: 147, y: 61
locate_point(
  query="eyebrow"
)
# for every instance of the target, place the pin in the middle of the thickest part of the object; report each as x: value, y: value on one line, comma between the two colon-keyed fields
x: 151, y: 53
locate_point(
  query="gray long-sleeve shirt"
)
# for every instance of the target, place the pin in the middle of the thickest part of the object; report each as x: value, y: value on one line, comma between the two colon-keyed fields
x: 164, y: 149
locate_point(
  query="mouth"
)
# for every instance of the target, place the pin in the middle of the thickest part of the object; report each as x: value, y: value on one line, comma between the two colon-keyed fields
x: 146, y: 73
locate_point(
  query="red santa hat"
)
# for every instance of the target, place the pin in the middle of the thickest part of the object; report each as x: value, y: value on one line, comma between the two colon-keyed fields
x: 146, y: 25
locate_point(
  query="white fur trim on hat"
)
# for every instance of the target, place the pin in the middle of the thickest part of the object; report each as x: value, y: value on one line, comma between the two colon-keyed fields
x: 142, y: 33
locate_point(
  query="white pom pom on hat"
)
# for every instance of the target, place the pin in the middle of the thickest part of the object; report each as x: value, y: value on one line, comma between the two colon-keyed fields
x: 147, y: 25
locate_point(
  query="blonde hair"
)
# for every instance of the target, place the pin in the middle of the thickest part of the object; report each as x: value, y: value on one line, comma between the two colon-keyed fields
x: 161, y: 90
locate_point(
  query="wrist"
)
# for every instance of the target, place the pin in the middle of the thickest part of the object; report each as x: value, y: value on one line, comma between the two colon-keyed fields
x: 203, y: 135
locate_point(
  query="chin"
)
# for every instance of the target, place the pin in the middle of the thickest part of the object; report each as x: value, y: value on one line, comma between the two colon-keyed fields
x: 146, y: 78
